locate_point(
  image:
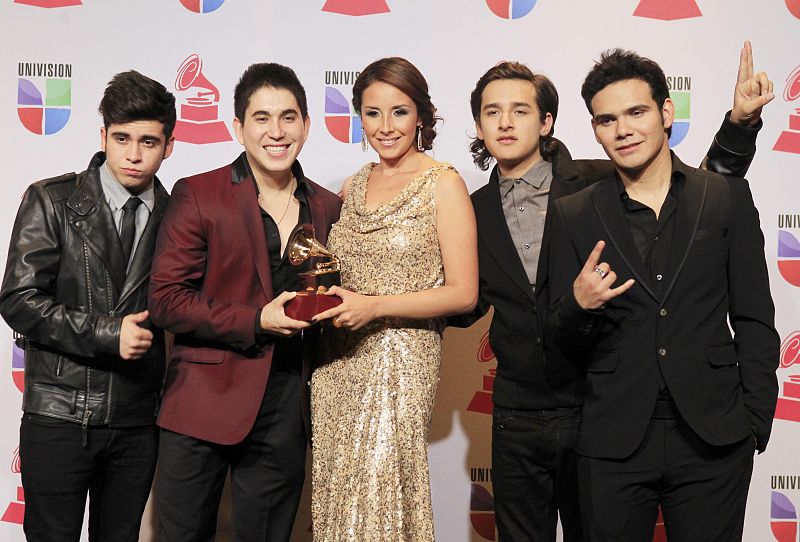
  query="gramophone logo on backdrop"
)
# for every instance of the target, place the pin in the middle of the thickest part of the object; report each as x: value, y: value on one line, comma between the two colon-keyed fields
x: 788, y: 407
x: 794, y: 7
x: 44, y: 96
x: 680, y: 87
x: 511, y: 9
x: 49, y: 3
x: 482, y: 400
x: 356, y: 8
x: 667, y: 10
x: 789, y: 140
x: 202, y: 6
x: 15, y: 510
x: 789, y: 248
x: 481, y: 503
x: 342, y: 122
x: 783, y: 510
x: 198, y: 121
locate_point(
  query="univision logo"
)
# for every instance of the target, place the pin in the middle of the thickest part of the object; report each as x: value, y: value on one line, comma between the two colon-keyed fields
x: 481, y: 504
x: 356, y: 8
x: 44, y: 96
x: 18, y: 367
x: 680, y: 92
x: 342, y: 122
x: 783, y: 517
x: 789, y: 248
x: 511, y: 9
x: 202, y: 6
x: 668, y: 10
x: 49, y: 3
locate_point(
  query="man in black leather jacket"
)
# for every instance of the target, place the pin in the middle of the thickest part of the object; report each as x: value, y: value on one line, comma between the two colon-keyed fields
x: 75, y: 288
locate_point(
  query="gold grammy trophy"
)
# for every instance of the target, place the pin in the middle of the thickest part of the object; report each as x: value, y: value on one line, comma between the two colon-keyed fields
x: 310, y: 301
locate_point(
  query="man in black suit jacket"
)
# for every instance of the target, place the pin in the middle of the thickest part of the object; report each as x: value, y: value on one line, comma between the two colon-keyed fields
x: 675, y: 405
x: 536, y: 398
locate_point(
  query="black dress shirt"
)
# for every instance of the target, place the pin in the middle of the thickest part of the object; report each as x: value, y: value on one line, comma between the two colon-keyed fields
x: 284, y: 278
x: 653, y: 237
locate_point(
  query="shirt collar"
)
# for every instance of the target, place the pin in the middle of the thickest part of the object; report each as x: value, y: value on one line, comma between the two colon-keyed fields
x: 539, y: 175
x: 117, y: 195
x: 677, y: 182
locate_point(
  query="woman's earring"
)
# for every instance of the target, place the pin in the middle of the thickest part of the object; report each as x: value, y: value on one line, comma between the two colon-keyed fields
x: 419, y: 139
x: 363, y: 140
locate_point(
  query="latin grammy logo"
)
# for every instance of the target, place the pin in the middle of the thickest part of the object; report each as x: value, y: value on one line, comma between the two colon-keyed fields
x: 482, y: 400
x: 788, y: 407
x: 789, y: 140
x: 356, y: 7
x: 667, y: 10
x: 49, y: 3
x: 199, y: 119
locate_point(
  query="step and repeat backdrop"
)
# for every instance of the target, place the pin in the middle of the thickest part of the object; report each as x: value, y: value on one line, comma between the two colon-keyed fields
x: 58, y: 55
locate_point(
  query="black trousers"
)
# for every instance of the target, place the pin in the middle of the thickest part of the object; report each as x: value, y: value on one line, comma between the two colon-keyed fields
x: 115, y: 468
x: 267, y: 470
x: 702, y: 489
x: 534, y: 474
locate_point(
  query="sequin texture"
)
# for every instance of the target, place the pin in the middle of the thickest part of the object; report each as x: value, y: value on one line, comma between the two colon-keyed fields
x: 372, y: 395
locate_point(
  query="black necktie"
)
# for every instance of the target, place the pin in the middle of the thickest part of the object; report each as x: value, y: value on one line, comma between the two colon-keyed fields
x: 128, y: 230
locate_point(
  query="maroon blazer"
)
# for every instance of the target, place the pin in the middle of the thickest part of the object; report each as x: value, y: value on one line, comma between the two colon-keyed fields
x: 210, y: 277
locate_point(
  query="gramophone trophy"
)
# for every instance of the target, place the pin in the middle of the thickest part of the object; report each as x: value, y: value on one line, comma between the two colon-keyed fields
x: 310, y: 301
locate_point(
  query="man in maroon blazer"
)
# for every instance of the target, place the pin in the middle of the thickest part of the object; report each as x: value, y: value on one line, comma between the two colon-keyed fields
x: 233, y: 397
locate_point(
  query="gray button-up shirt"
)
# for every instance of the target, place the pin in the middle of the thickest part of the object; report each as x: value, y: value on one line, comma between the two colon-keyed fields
x: 525, y: 208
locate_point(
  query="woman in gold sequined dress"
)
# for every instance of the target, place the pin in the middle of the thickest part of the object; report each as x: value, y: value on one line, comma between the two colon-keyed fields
x: 407, y: 242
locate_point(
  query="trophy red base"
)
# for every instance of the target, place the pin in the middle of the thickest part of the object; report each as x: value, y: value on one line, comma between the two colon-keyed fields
x: 306, y: 305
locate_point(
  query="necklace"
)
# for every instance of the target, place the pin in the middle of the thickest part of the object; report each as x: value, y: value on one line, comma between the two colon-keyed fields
x: 288, y: 200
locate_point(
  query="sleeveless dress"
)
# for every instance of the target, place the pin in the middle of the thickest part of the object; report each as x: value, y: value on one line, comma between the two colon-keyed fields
x: 372, y: 395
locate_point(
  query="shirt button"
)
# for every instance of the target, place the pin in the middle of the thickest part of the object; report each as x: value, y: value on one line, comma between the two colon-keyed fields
x: 526, y: 245
x: 274, y: 235
x: 517, y: 181
x: 521, y: 208
x: 538, y: 340
x: 655, y: 238
x: 662, y: 352
x: 662, y: 312
x: 659, y: 277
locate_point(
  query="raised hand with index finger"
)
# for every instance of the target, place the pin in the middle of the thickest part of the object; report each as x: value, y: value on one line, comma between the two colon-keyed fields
x: 752, y: 92
x: 594, y: 286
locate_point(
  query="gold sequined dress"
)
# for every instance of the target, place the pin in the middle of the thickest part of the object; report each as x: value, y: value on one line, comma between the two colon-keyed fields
x: 372, y: 395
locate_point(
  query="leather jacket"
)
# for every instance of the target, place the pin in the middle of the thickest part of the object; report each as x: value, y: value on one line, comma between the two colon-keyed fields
x: 66, y: 291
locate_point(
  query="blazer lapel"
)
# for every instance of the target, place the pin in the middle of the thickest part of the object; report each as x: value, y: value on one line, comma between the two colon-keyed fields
x: 609, y: 211
x: 244, y: 192
x: 687, y: 219
x: 93, y: 223
x: 565, y: 181
x: 495, y: 236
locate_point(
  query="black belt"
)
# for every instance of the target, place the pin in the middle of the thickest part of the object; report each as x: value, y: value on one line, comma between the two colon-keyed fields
x: 665, y: 410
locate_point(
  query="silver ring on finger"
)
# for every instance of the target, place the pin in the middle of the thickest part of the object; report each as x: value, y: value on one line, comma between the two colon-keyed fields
x: 600, y: 272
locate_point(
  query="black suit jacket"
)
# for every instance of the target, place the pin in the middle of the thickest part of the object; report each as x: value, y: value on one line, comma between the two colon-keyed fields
x: 522, y: 380
x: 531, y: 373
x: 723, y: 383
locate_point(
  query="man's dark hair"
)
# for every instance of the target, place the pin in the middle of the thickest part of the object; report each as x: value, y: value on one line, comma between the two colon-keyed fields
x: 267, y: 74
x: 620, y: 65
x: 131, y: 96
x: 546, y: 101
x: 405, y: 77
